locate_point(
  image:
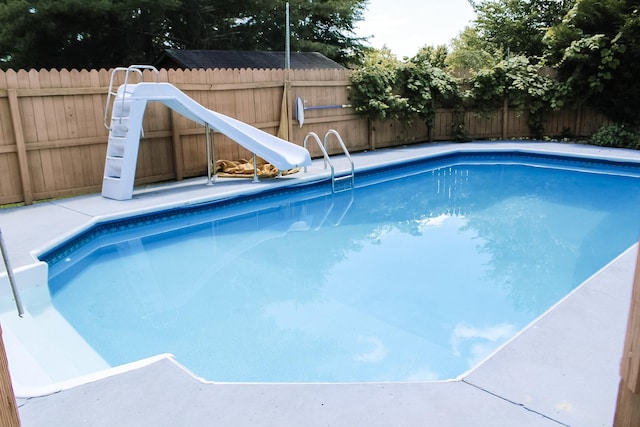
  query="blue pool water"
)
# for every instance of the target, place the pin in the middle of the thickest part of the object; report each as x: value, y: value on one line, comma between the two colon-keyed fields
x: 417, y: 274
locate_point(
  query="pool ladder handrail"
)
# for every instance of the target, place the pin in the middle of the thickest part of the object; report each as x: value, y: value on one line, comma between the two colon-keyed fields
x: 327, y: 159
x: 110, y: 93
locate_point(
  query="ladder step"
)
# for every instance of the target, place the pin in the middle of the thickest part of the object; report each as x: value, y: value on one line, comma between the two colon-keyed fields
x: 121, y: 107
x: 342, y: 183
x: 113, y: 167
x: 119, y: 127
x: 115, y: 147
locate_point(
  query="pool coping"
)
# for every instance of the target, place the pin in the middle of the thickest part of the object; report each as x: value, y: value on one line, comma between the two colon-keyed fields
x: 82, y: 212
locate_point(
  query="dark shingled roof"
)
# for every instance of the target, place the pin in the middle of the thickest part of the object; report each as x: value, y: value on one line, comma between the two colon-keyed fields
x: 193, y: 59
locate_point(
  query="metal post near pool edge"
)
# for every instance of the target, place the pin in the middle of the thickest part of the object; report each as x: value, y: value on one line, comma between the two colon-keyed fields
x: 255, y: 168
x: 287, y: 45
x: 211, y: 155
x: 12, y: 279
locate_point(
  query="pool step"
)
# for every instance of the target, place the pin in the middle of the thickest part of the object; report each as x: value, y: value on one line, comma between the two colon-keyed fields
x: 343, y: 183
x: 43, y: 348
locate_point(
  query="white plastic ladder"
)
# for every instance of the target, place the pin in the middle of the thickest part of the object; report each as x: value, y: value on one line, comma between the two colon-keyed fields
x: 327, y: 160
x: 122, y: 150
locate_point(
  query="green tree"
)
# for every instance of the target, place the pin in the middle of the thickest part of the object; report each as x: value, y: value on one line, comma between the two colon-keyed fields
x: 470, y: 53
x: 517, y: 26
x: 596, y: 50
x: 107, y: 33
x: 80, y: 33
x: 205, y: 24
x: 435, y: 55
x: 325, y: 26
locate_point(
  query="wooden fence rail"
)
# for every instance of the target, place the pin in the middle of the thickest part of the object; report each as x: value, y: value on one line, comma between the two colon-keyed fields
x: 53, y: 139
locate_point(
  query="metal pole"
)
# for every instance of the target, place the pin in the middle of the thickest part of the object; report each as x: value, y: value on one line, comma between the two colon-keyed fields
x: 211, y: 155
x: 287, y: 43
x: 12, y: 280
x: 255, y: 168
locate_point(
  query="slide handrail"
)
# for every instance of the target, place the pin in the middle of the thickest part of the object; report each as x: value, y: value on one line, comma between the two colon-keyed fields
x: 110, y: 93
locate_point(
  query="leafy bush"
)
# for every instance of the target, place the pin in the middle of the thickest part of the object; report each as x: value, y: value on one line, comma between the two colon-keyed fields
x: 525, y: 87
x: 386, y: 88
x: 596, y: 50
x: 616, y: 136
x: 374, y: 91
x: 428, y: 87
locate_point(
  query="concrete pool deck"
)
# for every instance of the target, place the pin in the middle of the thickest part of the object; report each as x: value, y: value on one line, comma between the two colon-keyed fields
x: 561, y: 370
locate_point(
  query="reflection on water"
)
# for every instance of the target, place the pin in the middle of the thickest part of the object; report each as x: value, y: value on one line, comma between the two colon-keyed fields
x: 416, y: 278
x: 477, y: 343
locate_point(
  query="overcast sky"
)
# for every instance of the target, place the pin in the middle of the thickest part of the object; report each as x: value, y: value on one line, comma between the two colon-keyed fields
x: 404, y: 26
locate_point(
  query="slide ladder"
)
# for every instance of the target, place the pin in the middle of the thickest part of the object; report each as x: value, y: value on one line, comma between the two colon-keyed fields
x: 349, y: 177
x: 124, y: 135
x: 125, y: 128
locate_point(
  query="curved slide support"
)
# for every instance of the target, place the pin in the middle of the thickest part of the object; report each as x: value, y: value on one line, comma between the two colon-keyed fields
x: 126, y: 126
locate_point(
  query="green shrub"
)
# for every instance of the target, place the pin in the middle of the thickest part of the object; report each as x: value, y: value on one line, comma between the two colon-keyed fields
x: 616, y: 135
x: 374, y: 91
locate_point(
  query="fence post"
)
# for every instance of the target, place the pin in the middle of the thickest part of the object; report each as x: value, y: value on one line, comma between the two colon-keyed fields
x: 578, y: 122
x: 628, y: 403
x: 21, y: 149
x: 8, y: 408
x: 372, y: 134
x: 505, y: 117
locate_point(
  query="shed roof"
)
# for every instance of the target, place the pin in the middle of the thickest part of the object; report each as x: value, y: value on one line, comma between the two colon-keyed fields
x: 180, y: 58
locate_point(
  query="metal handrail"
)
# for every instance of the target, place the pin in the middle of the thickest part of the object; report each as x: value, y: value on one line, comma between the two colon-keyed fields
x: 12, y: 279
x: 327, y: 159
x: 324, y: 151
x: 136, y: 68
x: 344, y: 149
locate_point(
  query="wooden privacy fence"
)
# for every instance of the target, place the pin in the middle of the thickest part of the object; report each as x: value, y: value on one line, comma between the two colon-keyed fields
x: 53, y: 139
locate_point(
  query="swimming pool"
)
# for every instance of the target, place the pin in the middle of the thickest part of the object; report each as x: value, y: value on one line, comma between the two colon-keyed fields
x: 460, y: 236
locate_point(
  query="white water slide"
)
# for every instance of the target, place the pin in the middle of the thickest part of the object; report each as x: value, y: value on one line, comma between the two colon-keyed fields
x: 126, y: 127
